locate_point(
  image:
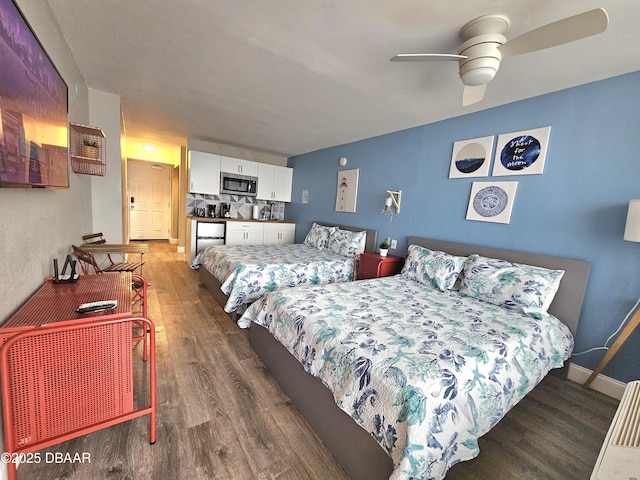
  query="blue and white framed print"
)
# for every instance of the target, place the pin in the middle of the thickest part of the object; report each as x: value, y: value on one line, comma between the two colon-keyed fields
x: 521, y: 153
x: 471, y: 158
x: 491, y: 201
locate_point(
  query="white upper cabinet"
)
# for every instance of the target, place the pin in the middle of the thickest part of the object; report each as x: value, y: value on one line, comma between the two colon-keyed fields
x: 274, y: 182
x: 204, y: 172
x: 236, y: 165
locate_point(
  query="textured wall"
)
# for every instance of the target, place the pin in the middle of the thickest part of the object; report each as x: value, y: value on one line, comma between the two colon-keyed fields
x: 40, y: 225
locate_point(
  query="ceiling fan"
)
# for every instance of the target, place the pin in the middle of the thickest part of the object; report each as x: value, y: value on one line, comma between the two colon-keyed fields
x: 484, y: 46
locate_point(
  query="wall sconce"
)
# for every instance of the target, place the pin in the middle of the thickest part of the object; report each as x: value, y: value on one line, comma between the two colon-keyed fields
x: 394, y: 198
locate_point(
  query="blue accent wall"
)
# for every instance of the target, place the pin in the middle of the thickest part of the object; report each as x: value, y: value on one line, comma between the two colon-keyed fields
x: 576, y: 208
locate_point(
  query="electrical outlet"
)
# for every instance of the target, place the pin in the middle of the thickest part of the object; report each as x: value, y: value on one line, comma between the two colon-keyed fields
x: 394, y: 244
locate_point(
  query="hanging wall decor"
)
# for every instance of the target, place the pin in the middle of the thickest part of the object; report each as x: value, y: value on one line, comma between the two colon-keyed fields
x: 347, y: 190
x: 491, y: 201
x: 471, y: 158
x: 521, y: 153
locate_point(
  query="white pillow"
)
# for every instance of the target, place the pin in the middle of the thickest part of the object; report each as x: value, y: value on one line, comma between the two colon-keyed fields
x: 349, y: 244
x: 318, y: 236
x: 515, y: 286
x: 431, y: 267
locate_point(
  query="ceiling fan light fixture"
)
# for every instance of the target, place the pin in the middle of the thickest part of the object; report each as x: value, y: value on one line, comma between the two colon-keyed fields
x: 484, y: 45
x: 479, y: 71
x: 478, y: 76
x: 483, y: 59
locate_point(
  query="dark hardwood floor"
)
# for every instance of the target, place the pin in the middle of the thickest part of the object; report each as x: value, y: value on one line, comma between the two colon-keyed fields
x: 222, y: 416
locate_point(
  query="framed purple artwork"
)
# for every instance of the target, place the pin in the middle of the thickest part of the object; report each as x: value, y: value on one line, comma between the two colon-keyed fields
x: 33, y: 108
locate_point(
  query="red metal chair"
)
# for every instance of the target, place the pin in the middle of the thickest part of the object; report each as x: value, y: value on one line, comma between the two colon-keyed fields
x: 98, y: 239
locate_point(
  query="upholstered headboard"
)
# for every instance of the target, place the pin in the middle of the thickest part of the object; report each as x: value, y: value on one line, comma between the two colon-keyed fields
x: 372, y: 235
x: 567, y: 303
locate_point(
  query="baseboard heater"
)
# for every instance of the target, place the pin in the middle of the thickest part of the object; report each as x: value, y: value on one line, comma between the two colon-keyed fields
x: 619, y: 457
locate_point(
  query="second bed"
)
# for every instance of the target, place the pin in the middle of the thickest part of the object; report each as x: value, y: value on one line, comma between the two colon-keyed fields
x: 237, y: 275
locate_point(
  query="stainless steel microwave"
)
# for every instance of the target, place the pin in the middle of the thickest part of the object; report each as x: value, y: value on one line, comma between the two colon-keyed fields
x: 235, y: 184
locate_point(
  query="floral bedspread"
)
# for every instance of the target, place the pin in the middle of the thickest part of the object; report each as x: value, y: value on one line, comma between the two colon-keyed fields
x: 247, y: 272
x: 425, y: 372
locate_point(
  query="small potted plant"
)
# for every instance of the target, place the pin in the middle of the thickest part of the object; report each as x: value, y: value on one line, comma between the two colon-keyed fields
x: 384, y: 247
x: 90, y: 148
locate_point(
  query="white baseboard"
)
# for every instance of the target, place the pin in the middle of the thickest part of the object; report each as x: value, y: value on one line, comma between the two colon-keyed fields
x: 180, y: 249
x: 173, y: 241
x: 603, y: 384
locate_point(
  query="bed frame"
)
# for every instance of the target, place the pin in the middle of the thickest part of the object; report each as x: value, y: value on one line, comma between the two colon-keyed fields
x: 361, y: 456
x: 212, y: 284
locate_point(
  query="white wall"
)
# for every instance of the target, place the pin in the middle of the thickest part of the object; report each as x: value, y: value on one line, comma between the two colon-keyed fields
x: 235, y: 152
x: 106, y: 191
x: 39, y: 225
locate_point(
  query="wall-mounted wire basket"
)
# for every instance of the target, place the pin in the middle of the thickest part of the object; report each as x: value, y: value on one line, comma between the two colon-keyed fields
x: 87, y: 149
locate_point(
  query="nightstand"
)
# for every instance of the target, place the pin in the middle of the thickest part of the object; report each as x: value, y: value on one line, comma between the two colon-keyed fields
x: 373, y: 265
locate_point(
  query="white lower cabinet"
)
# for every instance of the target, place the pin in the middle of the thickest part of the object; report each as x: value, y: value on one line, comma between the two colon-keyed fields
x: 202, y: 234
x: 279, y: 233
x: 244, y: 233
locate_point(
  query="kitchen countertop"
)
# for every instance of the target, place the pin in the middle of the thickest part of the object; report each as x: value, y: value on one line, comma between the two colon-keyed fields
x: 222, y: 219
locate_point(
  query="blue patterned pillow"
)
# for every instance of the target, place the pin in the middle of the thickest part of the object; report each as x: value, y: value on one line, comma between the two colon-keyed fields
x: 433, y: 268
x: 318, y: 236
x: 514, y: 286
x: 349, y: 244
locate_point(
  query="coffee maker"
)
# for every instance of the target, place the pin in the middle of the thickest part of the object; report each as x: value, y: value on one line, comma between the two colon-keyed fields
x: 211, y: 210
x: 225, y: 210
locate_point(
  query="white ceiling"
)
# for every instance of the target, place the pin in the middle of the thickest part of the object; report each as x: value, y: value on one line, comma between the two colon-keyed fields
x: 293, y: 76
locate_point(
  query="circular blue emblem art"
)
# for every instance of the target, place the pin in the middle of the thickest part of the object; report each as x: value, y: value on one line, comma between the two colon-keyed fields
x: 490, y: 201
x: 520, y: 152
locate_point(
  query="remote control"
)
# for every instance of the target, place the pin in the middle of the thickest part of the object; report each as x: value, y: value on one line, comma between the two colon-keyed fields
x: 95, y: 306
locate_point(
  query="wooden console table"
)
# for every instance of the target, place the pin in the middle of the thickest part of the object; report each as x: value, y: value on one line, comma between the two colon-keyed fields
x: 65, y: 374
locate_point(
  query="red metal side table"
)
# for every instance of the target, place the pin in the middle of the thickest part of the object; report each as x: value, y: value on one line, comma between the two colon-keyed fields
x: 66, y: 374
x: 373, y: 265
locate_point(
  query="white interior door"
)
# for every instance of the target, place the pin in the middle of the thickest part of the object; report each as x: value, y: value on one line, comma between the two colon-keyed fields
x: 149, y: 200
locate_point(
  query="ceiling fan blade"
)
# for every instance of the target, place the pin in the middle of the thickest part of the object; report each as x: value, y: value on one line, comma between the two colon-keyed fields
x: 558, y: 33
x: 471, y: 95
x: 425, y: 57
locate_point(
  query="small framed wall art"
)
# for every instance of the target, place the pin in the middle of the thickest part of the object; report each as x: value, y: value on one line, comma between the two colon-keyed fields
x: 347, y: 190
x: 521, y: 153
x: 471, y: 158
x: 491, y: 201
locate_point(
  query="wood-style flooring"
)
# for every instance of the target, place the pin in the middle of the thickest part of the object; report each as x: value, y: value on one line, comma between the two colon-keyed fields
x: 222, y: 416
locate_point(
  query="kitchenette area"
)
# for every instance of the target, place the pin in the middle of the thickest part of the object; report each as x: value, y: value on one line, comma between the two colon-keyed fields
x: 233, y: 201
x: 204, y: 232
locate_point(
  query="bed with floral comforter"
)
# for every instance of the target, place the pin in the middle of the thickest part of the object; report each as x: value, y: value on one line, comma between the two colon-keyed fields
x: 425, y: 372
x: 247, y: 272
